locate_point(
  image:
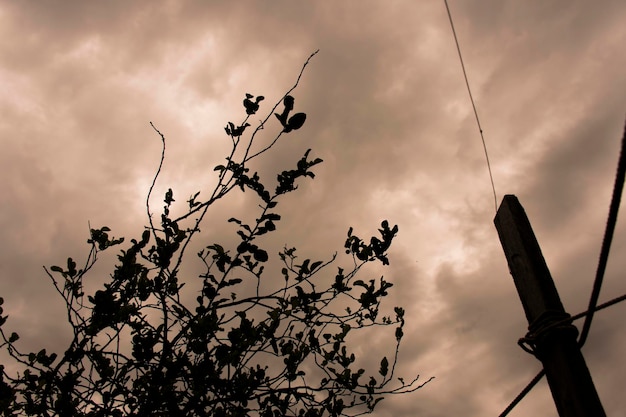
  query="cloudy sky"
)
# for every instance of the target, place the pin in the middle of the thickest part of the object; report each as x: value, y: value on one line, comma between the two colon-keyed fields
x: 389, y: 113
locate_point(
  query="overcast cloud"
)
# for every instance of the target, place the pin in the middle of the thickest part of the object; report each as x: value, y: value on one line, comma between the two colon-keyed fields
x: 389, y: 113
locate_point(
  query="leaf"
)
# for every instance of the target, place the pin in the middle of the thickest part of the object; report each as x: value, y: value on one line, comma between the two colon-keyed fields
x: 71, y: 267
x: 261, y: 255
x: 296, y: 121
x: 270, y: 226
x: 315, y: 265
x: 243, y: 247
x: 270, y: 216
x: 304, y: 268
x: 169, y: 197
x: 399, y: 333
x: 71, y: 264
x: 384, y: 366
x: 56, y: 269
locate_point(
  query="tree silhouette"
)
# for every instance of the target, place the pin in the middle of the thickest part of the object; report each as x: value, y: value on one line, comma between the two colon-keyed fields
x: 140, y: 348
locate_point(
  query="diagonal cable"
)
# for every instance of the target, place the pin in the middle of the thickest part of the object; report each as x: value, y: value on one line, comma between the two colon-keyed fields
x: 604, y: 254
x: 522, y: 394
x: 541, y: 374
x: 480, y: 129
x: 606, y: 242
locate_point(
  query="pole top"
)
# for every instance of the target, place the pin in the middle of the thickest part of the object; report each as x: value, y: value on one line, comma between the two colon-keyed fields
x: 526, y: 262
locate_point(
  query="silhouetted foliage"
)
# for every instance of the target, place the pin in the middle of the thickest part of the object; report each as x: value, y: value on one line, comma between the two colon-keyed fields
x: 140, y: 349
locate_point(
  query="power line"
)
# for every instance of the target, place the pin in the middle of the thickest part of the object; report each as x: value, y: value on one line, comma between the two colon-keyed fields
x: 606, y: 242
x: 604, y: 255
x: 480, y: 129
x: 522, y: 394
x: 586, y: 313
x: 542, y: 373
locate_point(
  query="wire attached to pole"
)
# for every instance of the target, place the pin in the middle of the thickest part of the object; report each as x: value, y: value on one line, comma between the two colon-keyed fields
x: 606, y: 242
x: 480, y: 129
x: 604, y: 254
x: 522, y: 394
x: 541, y: 374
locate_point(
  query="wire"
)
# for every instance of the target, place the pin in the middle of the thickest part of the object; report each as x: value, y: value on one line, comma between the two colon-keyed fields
x: 602, y: 306
x: 604, y: 255
x: 480, y: 129
x: 540, y: 375
x: 606, y: 242
x: 522, y: 394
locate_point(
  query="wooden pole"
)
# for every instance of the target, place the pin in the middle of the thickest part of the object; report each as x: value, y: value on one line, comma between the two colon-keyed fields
x: 555, y: 346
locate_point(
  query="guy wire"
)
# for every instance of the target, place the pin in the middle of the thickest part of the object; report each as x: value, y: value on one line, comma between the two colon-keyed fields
x: 541, y: 374
x: 458, y: 48
x: 608, y: 237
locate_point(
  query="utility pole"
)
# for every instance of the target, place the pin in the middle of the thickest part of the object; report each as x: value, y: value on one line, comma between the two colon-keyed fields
x: 552, y: 343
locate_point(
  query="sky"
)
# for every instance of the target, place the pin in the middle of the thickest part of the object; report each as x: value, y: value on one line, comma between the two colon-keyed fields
x: 388, y: 112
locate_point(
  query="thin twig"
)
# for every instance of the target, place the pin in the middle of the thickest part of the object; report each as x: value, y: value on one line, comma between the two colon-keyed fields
x: 247, y: 158
x: 155, y: 179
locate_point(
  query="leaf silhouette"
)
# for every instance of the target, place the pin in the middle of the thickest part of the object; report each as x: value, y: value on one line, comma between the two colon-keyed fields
x: 295, y: 122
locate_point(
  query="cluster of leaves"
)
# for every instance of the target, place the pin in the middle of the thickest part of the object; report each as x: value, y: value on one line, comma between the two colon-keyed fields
x: 140, y: 348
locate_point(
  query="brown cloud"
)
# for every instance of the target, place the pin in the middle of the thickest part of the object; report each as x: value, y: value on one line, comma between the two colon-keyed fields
x: 387, y: 111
